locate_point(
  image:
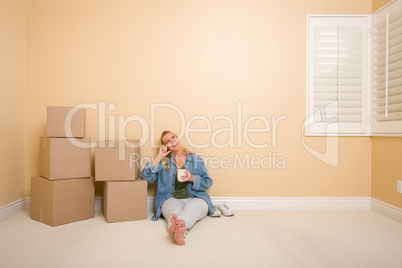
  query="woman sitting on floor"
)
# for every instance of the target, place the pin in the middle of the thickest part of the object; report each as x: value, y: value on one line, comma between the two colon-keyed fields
x: 182, y: 201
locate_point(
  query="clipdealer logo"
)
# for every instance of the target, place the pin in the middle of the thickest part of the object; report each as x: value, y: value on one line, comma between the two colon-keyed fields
x: 330, y: 155
x: 238, y: 133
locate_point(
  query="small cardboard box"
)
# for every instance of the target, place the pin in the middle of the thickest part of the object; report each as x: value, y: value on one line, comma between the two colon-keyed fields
x: 125, y: 200
x: 63, y: 201
x: 60, y: 159
x: 117, y: 161
x: 73, y: 117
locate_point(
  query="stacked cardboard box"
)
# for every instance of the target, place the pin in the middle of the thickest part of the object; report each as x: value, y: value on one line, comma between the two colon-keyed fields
x: 117, y: 164
x: 64, y: 192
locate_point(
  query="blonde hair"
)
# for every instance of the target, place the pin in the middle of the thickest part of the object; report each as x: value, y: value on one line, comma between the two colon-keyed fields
x: 169, y: 156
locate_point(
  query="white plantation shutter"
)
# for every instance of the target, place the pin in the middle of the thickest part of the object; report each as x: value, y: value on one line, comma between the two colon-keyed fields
x: 337, y: 75
x: 387, y: 70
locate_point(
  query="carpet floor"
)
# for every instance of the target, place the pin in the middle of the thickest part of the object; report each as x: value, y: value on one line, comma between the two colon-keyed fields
x: 269, y: 238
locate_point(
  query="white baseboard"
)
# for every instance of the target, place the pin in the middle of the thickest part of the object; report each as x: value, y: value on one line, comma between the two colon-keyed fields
x: 386, y: 209
x: 13, y: 208
x: 28, y: 203
x: 294, y: 203
x: 256, y: 203
x: 98, y: 203
x: 261, y: 203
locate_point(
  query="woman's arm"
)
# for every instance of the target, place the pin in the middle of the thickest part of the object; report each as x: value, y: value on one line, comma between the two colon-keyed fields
x: 150, y: 172
x: 163, y: 151
x: 201, y: 180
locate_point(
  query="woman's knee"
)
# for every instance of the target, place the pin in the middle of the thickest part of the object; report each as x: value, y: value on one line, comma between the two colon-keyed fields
x: 197, y: 207
x: 172, y: 206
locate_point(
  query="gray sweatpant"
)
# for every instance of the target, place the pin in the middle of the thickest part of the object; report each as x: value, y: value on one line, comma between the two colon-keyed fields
x: 190, y: 210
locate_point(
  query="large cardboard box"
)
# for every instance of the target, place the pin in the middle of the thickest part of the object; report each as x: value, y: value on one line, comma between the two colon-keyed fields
x: 59, y: 117
x: 62, y: 201
x: 117, y: 161
x: 125, y: 200
x: 60, y: 159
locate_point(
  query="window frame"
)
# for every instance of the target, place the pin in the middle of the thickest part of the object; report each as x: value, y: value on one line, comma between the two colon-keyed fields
x: 340, y: 128
x: 385, y: 128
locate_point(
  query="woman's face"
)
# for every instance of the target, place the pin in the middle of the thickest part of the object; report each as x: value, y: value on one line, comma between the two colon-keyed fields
x: 172, y: 142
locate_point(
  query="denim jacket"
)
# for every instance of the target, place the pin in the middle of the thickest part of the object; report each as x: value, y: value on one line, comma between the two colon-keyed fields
x: 166, y: 181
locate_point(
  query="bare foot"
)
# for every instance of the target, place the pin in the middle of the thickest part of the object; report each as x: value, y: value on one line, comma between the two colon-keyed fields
x: 173, y: 220
x: 179, y: 233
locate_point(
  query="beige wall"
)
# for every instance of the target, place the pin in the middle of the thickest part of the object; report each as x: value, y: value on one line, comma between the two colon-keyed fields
x: 203, y: 57
x: 377, y: 4
x: 12, y: 100
x: 386, y: 169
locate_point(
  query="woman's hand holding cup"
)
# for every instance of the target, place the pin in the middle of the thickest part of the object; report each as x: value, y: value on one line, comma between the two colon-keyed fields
x: 184, y: 175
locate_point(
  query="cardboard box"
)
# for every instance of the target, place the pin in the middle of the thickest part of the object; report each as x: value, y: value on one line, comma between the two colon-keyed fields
x: 57, y: 117
x: 125, y: 200
x: 115, y: 161
x: 60, y: 159
x: 62, y: 201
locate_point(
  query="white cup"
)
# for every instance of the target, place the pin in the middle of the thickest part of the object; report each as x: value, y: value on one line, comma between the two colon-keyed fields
x: 180, y: 173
